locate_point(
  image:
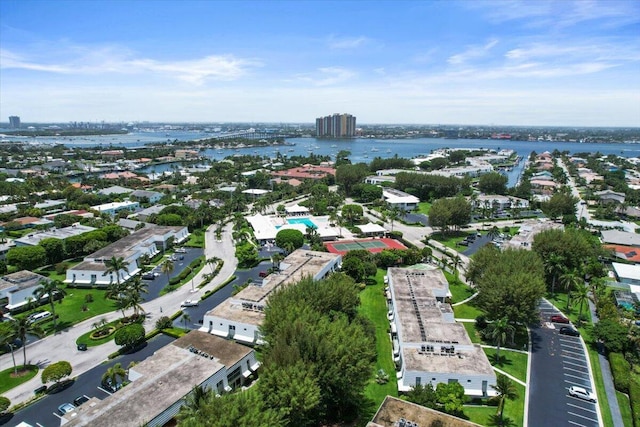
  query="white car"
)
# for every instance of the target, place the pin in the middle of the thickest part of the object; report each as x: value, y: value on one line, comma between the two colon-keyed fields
x: 582, y: 393
x: 189, y: 303
x: 181, y: 250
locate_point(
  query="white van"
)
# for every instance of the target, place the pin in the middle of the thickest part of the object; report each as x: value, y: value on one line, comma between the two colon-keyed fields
x: 36, y: 317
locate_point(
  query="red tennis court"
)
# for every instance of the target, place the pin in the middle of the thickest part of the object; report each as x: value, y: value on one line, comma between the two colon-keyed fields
x: 372, y: 245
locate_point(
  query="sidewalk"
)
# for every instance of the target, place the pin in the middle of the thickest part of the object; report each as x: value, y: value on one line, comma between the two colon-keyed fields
x: 609, y: 388
x: 62, y: 345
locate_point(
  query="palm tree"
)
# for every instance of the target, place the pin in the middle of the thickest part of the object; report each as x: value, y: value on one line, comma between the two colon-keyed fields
x: 493, y: 232
x: 505, y: 389
x: 20, y: 328
x: 132, y: 299
x: 554, y: 266
x: 194, y: 402
x: 138, y: 286
x: 167, y: 268
x: 185, y: 319
x: 499, y: 331
x: 6, y: 339
x: 113, y: 374
x: 393, y: 214
x: 115, y: 265
x: 580, y: 295
x: 49, y: 288
x: 570, y: 280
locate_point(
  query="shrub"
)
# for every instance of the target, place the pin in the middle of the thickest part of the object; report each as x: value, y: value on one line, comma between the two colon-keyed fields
x: 130, y: 335
x: 163, y: 323
x: 4, y: 404
x: 620, y: 369
x: 481, y: 322
x: 61, y: 267
x: 396, y: 234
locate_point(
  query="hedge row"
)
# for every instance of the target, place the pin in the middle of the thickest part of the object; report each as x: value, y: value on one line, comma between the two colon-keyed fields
x: 620, y: 369
x: 634, y: 397
x: 184, y: 273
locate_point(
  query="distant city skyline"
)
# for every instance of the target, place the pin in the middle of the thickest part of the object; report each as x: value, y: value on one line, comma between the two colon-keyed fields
x: 506, y: 62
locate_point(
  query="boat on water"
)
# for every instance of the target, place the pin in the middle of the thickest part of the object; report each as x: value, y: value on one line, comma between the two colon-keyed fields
x: 374, y: 149
x: 388, y: 150
x: 334, y: 145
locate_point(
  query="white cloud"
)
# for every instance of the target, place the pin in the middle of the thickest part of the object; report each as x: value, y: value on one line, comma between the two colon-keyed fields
x: 346, y: 42
x: 472, y: 52
x: 328, y: 76
x: 110, y: 60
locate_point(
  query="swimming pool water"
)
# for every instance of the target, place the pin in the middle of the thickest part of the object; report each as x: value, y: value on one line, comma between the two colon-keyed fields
x: 305, y: 221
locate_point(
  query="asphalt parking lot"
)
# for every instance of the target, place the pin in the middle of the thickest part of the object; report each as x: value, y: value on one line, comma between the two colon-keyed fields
x: 557, y: 363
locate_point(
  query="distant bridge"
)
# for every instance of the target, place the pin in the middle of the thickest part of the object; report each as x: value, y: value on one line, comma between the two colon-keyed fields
x: 249, y: 134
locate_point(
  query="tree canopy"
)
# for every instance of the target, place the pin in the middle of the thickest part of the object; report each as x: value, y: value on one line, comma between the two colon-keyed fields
x: 56, y: 371
x: 450, y: 212
x: 510, y: 283
x: 129, y: 335
x: 493, y: 183
x: 289, y: 239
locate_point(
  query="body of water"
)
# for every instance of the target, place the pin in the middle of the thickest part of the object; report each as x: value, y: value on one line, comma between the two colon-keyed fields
x: 362, y: 150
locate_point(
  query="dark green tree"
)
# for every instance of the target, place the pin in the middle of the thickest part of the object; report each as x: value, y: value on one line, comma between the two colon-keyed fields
x: 130, y: 335
x: 294, y: 237
x: 493, y: 183
x: 56, y: 371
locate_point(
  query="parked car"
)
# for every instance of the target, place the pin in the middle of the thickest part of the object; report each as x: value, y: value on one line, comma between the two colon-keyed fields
x: 189, y: 303
x: 65, y: 408
x: 464, y: 243
x: 150, y: 275
x: 582, y: 393
x: 80, y: 400
x: 568, y: 330
x: 558, y: 318
x: 36, y: 317
x: 263, y: 274
x: 181, y: 250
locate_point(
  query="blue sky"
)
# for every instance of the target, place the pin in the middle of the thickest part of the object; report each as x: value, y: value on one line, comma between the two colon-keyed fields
x: 506, y: 62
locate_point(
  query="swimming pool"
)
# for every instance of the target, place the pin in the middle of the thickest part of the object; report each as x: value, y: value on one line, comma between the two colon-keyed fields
x: 305, y: 221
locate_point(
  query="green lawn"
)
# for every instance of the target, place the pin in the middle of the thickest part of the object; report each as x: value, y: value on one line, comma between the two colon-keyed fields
x: 513, y: 409
x: 512, y: 362
x: 74, y: 308
x: 452, y: 239
x: 625, y: 409
x: 8, y: 381
x: 424, y: 208
x: 467, y: 311
x: 473, y: 333
x: 196, y: 239
x: 373, y: 305
x: 459, y: 291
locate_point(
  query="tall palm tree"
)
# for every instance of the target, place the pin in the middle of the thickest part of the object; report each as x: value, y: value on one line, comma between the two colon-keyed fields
x: 185, y: 319
x: 132, y: 299
x: 49, y: 288
x: 580, y: 295
x: 499, y: 331
x: 116, y: 265
x: 554, y: 266
x: 570, y: 280
x: 6, y: 339
x: 493, y: 232
x: 505, y: 389
x: 20, y: 328
x: 113, y: 374
x: 167, y: 268
x: 138, y: 286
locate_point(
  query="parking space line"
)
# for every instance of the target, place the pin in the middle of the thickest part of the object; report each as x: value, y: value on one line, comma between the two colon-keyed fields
x: 571, y: 357
x: 100, y: 388
x: 571, y: 345
x: 568, y: 362
x: 574, y: 353
x: 576, y: 376
x: 577, y: 424
x: 577, y: 383
x: 580, y: 407
x: 582, y: 416
x: 568, y: 368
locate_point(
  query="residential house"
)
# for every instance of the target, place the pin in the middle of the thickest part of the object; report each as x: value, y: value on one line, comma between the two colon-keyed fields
x: 33, y: 239
x: 114, y: 207
x: 16, y: 289
x: 428, y: 345
x: 399, y: 199
x: 394, y: 412
x: 306, y: 172
x: 627, y: 273
x: 609, y: 196
x: 240, y: 316
x: 162, y: 383
x: 615, y: 237
x: 114, y: 190
x: 152, y: 196
x: 150, y: 240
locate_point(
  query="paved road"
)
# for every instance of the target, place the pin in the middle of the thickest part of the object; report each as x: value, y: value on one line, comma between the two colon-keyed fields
x: 45, y: 411
x: 558, y: 362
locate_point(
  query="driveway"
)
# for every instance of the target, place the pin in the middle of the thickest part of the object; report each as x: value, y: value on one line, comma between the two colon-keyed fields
x: 557, y: 363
